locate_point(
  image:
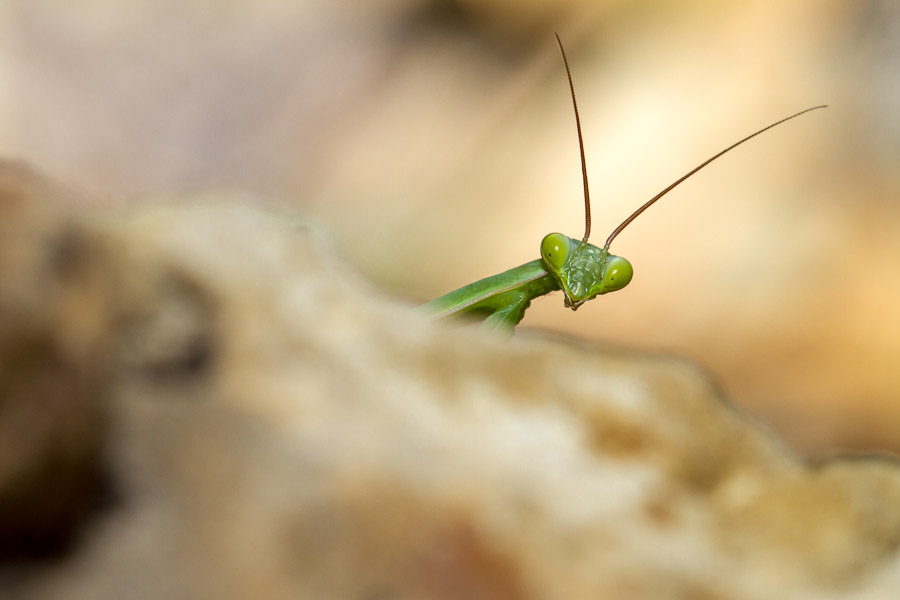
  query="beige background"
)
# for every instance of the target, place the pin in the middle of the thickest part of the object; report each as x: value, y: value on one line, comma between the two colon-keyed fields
x: 436, y: 140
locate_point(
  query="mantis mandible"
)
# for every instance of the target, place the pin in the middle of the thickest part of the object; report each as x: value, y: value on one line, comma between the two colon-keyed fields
x: 581, y: 270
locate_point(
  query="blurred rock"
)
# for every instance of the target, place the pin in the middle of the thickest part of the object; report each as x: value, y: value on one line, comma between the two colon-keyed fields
x: 53, y: 365
x: 278, y: 429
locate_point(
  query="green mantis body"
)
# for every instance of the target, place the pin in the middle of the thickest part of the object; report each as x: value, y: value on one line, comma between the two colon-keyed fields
x: 581, y: 270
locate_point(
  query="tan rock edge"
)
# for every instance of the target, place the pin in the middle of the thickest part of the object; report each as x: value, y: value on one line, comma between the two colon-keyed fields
x: 198, y: 399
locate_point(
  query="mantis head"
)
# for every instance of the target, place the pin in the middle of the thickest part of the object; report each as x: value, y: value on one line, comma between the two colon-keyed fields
x: 583, y: 270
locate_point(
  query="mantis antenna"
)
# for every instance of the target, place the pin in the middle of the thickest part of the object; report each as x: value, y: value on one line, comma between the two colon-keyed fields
x: 587, y: 193
x: 650, y: 202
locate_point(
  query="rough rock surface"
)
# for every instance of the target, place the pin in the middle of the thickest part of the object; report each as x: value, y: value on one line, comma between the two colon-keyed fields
x: 199, y: 400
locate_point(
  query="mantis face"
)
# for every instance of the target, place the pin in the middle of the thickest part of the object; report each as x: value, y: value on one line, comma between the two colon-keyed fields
x: 583, y: 270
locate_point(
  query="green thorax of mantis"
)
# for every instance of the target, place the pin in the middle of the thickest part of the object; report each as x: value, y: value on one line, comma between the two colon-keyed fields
x: 581, y: 270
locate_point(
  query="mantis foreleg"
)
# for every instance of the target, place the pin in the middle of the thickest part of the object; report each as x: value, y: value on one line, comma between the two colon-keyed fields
x: 509, y: 310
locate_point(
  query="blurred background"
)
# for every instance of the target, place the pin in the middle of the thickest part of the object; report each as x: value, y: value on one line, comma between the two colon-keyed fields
x: 436, y: 140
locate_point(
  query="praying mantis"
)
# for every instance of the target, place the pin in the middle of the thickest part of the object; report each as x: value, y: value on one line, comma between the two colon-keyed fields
x: 581, y: 270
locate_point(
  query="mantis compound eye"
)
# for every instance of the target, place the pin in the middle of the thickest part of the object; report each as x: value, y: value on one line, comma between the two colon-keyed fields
x: 617, y: 274
x: 555, y: 250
